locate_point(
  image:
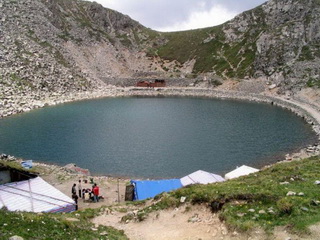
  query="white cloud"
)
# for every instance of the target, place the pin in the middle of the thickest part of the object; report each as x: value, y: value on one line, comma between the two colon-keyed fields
x: 177, y: 15
x: 200, y: 19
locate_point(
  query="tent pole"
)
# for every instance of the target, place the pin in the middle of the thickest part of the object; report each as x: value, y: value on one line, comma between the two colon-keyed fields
x: 118, y: 192
x: 31, y: 197
x: 1, y: 200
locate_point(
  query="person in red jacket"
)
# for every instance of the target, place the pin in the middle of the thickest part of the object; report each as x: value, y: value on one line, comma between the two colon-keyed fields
x: 95, y: 193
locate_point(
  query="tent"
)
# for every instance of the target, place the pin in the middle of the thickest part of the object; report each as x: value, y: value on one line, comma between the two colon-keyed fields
x: 240, y: 171
x: 201, y: 177
x: 150, y: 188
x: 34, y: 195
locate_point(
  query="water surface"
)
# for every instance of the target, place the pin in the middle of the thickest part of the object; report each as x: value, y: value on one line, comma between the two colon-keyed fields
x: 155, y: 137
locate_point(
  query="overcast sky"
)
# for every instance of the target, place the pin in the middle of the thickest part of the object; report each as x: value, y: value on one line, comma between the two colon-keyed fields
x: 176, y: 15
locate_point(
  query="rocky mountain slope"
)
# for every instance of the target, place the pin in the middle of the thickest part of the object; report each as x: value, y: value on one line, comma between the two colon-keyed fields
x: 59, y: 46
x: 56, y: 46
x: 278, y: 41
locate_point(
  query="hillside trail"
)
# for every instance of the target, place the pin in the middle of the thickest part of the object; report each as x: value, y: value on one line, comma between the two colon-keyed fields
x: 307, y: 107
x: 191, y: 223
x: 176, y: 224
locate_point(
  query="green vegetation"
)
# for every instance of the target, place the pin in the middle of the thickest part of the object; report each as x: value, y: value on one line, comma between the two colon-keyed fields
x: 124, y: 39
x: 313, y: 82
x: 209, y: 48
x: 306, y: 54
x: 55, y: 226
x: 50, y: 49
x: 259, y: 200
x: 186, y: 45
x: 21, y: 83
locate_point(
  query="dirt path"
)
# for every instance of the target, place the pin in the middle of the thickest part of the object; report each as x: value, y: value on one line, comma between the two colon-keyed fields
x: 311, y: 110
x: 193, y: 224
x: 177, y: 224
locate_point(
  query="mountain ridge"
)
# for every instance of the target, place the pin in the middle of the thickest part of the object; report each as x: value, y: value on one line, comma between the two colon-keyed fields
x: 60, y: 46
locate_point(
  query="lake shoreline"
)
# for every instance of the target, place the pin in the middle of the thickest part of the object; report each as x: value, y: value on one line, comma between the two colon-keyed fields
x: 300, y: 109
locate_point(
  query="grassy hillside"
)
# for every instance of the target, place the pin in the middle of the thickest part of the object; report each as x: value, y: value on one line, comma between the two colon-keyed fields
x: 55, y: 226
x: 261, y: 199
x: 212, y: 51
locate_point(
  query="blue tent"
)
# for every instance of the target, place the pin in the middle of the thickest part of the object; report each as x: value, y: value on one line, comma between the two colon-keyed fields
x: 150, y: 188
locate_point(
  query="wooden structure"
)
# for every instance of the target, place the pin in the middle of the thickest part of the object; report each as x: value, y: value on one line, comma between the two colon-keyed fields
x: 143, y: 84
x: 156, y: 83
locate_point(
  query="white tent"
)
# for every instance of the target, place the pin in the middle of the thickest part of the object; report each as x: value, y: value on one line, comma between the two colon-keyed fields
x: 201, y: 177
x: 34, y: 195
x: 240, y: 171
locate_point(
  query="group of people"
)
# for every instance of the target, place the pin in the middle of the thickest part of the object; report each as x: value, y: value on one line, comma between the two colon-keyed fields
x: 86, y: 194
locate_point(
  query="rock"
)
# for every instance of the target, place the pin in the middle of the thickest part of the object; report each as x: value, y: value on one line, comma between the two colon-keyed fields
x: 240, y: 214
x: 272, y: 86
x: 290, y: 193
x: 132, y: 214
x: 194, y: 219
x: 284, y: 183
x: 182, y: 199
x: 315, y: 202
x: 271, y: 211
x: 72, y: 168
x: 300, y: 194
x: 3, y: 156
x: 262, y: 212
x: 317, y: 182
x: 16, y: 238
x: 72, y: 219
x: 104, y: 233
x: 251, y: 210
x: 305, y: 209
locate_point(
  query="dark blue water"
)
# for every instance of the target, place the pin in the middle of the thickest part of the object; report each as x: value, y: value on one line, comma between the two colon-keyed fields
x: 155, y: 137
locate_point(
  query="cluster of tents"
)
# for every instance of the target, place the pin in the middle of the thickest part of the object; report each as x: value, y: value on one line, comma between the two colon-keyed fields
x: 23, y: 191
x: 143, y: 189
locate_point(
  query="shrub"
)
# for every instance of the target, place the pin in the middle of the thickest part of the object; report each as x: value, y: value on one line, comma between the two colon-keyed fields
x: 285, y: 206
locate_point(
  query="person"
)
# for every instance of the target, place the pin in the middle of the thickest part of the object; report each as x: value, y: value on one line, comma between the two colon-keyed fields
x: 86, y: 196
x: 75, y: 198
x: 80, y: 189
x: 73, y: 189
x: 95, y: 193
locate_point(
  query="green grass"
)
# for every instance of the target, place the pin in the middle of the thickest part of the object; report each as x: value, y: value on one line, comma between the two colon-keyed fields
x: 21, y: 83
x: 306, y: 54
x: 55, y: 226
x: 239, y: 201
x: 313, y: 82
x: 209, y: 48
x: 186, y: 45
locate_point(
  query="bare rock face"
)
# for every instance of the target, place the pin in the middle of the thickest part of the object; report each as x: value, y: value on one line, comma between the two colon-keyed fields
x: 286, y: 38
x: 66, y: 46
